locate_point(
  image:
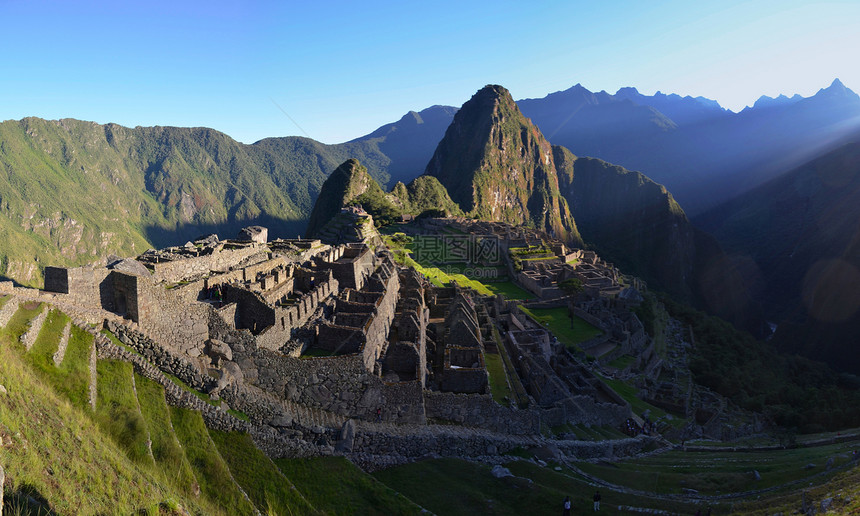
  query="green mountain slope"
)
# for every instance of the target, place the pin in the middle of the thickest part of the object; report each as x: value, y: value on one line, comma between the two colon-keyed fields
x: 351, y: 184
x: 134, y: 453
x: 348, y: 181
x: 498, y: 166
x: 72, y: 192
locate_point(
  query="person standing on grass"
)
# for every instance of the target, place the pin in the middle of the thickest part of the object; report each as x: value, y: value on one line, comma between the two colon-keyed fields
x: 567, y: 505
x: 597, y: 501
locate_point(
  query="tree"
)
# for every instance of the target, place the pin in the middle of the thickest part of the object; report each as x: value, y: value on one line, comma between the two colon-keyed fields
x: 571, y: 286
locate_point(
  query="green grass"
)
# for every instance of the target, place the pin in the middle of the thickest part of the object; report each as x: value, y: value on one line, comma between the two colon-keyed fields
x: 628, y: 392
x: 569, y: 332
x: 211, y: 471
x: 261, y: 479
x: 514, y: 382
x: 510, y: 290
x: 622, y: 362
x: 238, y: 414
x: 580, y: 491
x: 317, y: 352
x: 719, y: 471
x: 168, y: 454
x: 465, y: 488
x: 19, y: 322
x: 118, y: 412
x: 56, y: 449
x: 337, y: 487
x: 498, y: 379
x: 3, y: 300
x: 72, y: 377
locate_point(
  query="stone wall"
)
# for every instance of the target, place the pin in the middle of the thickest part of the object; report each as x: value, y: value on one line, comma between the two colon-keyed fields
x: 338, y: 384
x: 162, y: 358
x: 403, y: 402
x: 479, y: 410
x: 176, y: 396
x: 86, y: 287
x: 170, y: 319
x: 219, y: 260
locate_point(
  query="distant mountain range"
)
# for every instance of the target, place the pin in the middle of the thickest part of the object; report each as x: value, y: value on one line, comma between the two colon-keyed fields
x: 703, y: 153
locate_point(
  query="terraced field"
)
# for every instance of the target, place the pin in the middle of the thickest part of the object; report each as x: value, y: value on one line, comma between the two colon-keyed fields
x: 92, y: 436
x: 133, y: 452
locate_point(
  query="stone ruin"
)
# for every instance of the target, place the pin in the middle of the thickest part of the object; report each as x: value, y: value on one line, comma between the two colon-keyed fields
x: 296, y: 333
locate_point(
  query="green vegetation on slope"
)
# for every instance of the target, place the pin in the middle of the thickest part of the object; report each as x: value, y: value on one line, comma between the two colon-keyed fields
x: 267, y: 487
x: 794, y: 391
x: 569, y: 330
x: 54, y: 451
x: 72, y: 377
x: 720, y: 471
x: 498, y: 166
x: 460, y: 487
x: 118, y: 412
x: 75, y: 191
x: 213, y: 474
x: 337, y: 487
x: 166, y: 450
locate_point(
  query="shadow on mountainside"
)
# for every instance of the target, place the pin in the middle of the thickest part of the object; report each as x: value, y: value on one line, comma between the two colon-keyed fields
x: 161, y: 237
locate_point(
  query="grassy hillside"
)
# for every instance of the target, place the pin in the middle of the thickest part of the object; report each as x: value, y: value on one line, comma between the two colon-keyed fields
x: 134, y: 452
x: 72, y: 192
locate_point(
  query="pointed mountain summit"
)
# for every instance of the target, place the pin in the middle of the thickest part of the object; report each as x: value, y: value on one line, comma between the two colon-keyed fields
x: 347, y: 182
x: 498, y: 166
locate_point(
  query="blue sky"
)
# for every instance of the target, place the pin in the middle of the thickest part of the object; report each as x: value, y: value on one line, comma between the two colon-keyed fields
x: 341, y: 69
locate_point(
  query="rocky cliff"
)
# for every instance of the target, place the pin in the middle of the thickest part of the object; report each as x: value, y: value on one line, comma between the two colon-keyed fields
x: 498, y: 166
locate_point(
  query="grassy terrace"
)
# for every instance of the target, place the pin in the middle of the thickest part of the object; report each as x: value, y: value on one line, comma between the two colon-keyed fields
x: 19, y: 322
x: 718, y: 472
x: 498, y: 379
x: 465, y: 488
x: 72, y: 378
x: 118, y: 412
x: 166, y: 450
x: 258, y: 475
x: 212, y: 473
x: 353, y: 491
x: 569, y: 331
x: 514, y: 383
x: 487, y: 280
x: 628, y: 392
x: 55, y: 450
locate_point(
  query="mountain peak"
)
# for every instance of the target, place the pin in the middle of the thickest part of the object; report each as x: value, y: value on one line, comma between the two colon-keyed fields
x: 498, y: 166
x: 347, y: 182
x: 836, y: 90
